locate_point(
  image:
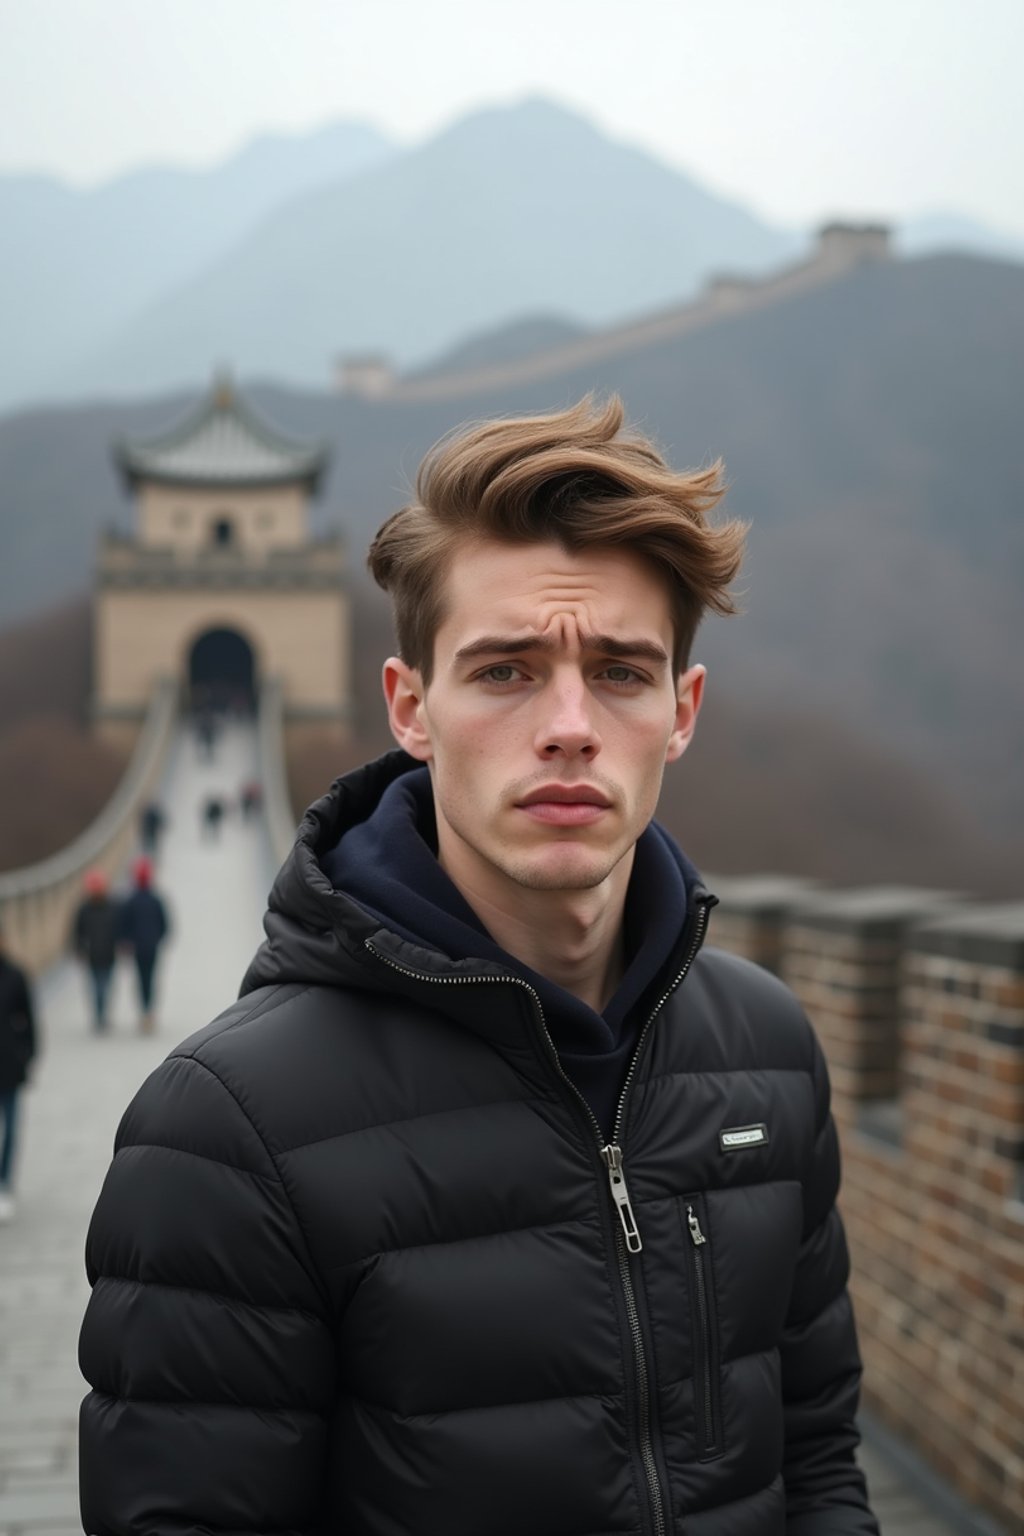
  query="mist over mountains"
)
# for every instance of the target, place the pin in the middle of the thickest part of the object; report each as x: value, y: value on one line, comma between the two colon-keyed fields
x: 870, y: 429
x: 298, y: 249
x: 75, y: 265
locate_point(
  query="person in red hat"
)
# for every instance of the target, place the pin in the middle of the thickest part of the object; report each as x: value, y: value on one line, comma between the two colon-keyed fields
x: 144, y: 926
x: 94, y: 939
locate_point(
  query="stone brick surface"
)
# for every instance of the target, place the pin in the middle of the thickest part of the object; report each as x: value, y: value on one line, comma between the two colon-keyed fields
x: 920, y: 1009
x: 80, y: 1088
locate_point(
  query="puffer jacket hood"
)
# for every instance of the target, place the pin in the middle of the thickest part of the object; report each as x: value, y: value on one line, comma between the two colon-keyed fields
x: 365, y: 1261
x: 316, y: 933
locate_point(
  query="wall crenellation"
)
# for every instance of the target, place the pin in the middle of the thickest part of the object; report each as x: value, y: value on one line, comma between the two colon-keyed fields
x: 918, y: 999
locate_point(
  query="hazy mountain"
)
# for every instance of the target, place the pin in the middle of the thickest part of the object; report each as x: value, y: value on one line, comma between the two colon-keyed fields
x: 952, y: 232
x: 277, y: 260
x: 512, y: 211
x: 76, y: 265
x: 505, y: 344
x: 871, y: 435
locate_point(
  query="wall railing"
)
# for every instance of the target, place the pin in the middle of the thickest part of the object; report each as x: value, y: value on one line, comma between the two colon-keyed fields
x: 37, y: 902
x: 277, y: 803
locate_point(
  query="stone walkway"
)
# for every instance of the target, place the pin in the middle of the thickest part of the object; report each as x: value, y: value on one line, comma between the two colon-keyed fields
x: 216, y: 894
x: 82, y: 1085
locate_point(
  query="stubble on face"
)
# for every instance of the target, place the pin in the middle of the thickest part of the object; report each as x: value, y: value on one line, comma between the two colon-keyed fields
x: 564, y: 864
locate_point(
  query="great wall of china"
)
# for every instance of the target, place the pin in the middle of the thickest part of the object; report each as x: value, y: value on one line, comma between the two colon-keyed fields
x: 840, y: 249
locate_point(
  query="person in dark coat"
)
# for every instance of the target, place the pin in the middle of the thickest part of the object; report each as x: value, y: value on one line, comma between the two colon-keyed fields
x: 143, y: 928
x: 211, y: 814
x: 94, y: 939
x: 17, y: 1049
x: 251, y: 799
x: 206, y: 733
x: 499, y: 1202
x: 151, y: 824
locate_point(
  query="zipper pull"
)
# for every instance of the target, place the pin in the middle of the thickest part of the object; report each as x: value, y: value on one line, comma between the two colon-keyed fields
x: 620, y: 1194
x: 694, y: 1225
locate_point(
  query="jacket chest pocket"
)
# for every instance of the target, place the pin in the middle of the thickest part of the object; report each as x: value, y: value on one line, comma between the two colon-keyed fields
x: 707, y: 1367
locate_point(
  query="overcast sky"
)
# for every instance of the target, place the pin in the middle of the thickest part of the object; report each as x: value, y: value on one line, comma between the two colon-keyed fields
x: 800, y: 108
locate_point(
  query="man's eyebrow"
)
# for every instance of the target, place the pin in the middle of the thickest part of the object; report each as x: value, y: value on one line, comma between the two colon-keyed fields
x: 607, y: 645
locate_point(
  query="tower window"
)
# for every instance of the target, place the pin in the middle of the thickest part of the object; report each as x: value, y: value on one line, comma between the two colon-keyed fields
x: 223, y: 532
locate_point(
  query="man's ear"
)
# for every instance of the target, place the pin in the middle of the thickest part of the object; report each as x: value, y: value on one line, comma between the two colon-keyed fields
x: 404, y: 691
x: 689, y: 693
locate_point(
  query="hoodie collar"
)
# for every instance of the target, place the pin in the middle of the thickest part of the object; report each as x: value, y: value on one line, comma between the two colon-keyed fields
x: 346, y: 909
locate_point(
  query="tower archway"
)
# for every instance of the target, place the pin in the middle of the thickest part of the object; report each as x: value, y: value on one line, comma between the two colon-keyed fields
x: 221, y: 543
x: 222, y: 672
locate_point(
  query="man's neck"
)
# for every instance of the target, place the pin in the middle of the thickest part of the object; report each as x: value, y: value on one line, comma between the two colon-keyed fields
x: 573, y: 938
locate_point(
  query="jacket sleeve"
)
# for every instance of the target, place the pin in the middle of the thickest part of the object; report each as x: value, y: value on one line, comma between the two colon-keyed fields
x: 821, y: 1370
x: 206, y: 1340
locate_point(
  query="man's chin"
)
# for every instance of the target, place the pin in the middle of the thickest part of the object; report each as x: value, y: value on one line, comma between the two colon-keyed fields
x: 575, y: 869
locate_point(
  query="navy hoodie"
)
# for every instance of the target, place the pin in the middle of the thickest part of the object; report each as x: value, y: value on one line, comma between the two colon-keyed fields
x: 388, y: 864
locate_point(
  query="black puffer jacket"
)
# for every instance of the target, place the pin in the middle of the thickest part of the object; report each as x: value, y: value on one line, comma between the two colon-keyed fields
x: 358, y: 1267
x: 95, y: 932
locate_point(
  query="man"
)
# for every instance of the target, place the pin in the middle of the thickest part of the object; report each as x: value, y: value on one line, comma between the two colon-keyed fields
x: 17, y: 1048
x: 143, y: 928
x: 250, y: 799
x: 94, y: 939
x: 211, y: 815
x: 151, y: 826
x: 496, y: 1206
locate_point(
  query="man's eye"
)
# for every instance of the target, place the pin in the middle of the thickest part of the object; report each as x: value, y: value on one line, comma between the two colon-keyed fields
x: 621, y: 675
x: 503, y: 672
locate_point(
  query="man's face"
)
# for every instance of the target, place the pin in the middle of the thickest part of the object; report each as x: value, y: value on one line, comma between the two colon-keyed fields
x: 550, y: 716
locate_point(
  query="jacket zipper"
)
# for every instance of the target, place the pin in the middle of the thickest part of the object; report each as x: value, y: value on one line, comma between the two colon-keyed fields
x: 627, y: 1233
x: 628, y: 1239
x: 705, y: 1340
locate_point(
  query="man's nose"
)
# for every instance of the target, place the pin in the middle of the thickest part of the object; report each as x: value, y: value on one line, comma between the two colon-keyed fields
x: 567, y: 724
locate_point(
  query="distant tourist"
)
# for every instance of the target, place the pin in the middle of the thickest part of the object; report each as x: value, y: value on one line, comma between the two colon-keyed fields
x: 152, y: 821
x: 211, y: 814
x: 94, y: 939
x: 143, y: 928
x: 250, y: 800
x: 206, y: 734
x: 17, y: 1048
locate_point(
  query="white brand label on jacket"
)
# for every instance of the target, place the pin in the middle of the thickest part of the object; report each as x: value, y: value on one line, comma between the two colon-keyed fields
x: 743, y: 1136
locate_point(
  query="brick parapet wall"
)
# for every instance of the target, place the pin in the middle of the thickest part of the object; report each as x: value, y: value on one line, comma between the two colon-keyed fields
x: 752, y: 913
x: 919, y: 1004
x: 843, y: 957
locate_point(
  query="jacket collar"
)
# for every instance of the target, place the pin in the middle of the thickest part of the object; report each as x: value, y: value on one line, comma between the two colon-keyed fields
x: 317, y: 934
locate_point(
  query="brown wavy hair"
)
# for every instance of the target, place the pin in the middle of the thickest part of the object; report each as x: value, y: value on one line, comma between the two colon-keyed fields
x: 575, y: 477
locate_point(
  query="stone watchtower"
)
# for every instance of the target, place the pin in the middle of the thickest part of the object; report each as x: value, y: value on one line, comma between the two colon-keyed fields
x: 221, y: 585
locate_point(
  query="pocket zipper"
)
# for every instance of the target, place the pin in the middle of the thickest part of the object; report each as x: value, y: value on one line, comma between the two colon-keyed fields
x: 709, y: 1436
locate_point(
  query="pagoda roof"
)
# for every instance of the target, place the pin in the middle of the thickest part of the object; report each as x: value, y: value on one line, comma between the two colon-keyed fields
x: 221, y: 442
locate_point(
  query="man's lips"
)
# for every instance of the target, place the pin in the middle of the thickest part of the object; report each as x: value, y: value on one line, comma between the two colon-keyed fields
x: 565, y: 805
x: 565, y: 794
